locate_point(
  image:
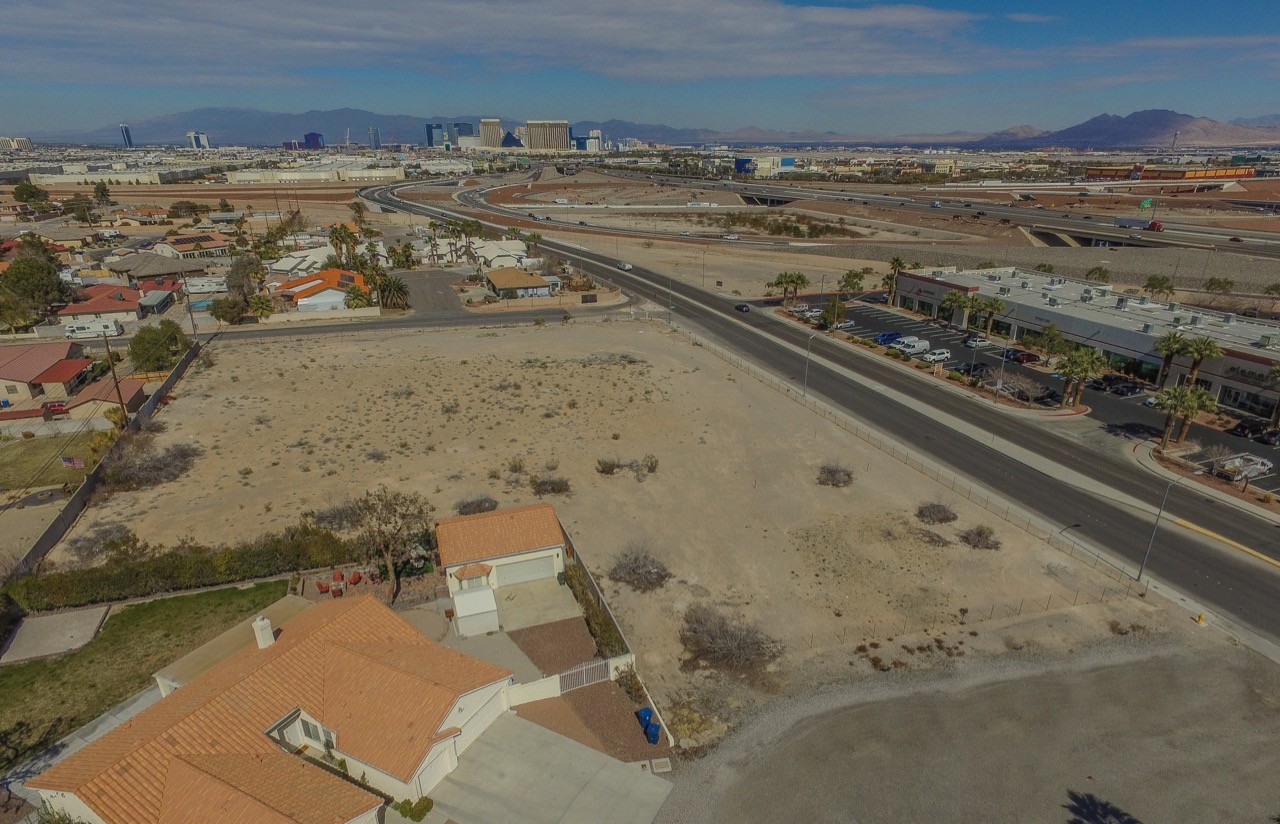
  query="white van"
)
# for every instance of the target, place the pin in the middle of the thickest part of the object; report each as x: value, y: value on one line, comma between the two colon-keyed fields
x: 94, y: 329
x: 909, y: 340
x: 917, y: 348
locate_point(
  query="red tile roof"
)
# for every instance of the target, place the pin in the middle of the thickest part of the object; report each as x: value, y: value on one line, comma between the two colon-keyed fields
x: 308, y: 285
x: 25, y: 363
x: 64, y: 370
x: 355, y: 666
x: 470, y: 538
x: 104, y: 298
x: 105, y: 390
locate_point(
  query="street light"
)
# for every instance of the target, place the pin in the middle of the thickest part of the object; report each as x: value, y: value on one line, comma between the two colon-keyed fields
x: 807, y: 348
x: 1159, y: 513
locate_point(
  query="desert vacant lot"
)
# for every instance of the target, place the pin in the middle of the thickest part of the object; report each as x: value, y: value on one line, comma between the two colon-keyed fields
x: 846, y: 579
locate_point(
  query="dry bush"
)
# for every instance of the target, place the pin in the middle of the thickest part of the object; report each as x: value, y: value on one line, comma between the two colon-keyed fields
x: 932, y: 538
x: 935, y: 513
x: 99, y: 541
x: 649, y: 463
x: 607, y: 466
x: 637, y: 568
x: 834, y: 474
x: 476, y: 505
x: 981, y: 537
x: 728, y: 642
x: 338, y: 518
x: 137, y: 464
x: 549, y: 486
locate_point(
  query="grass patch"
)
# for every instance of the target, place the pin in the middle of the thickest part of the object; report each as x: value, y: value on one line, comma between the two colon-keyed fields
x: 44, y: 700
x: 35, y: 461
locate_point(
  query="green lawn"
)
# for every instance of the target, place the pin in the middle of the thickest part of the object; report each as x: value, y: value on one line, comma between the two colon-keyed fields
x: 41, y: 701
x: 40, y: 458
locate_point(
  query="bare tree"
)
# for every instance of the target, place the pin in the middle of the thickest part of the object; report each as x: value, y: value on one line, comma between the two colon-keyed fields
x: 391, y: 524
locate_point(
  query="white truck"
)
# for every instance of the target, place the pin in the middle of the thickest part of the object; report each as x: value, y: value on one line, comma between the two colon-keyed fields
x: 205, y: 286
x: 1245, y: 467
x: 912, y: 348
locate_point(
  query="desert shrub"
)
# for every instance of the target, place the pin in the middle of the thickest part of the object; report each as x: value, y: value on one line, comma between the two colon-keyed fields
x: 607, y: 466
x: 515, y: 466
x: 932, y: 538
x: 637, y: 568
x: 834, y: 474
x: 104, y: 540
x: 138, y: 464
x: 338, y: 517
x: 981, y: 537
x: 549, y: 486
x: 475, y: 506
x: 600, y: 624
x: 719, y: 640
x: 186, y: 566
x: 650, y: 463
x: 376, y: 455
x: 631, y: 685
x: 935, y: 513
x: 414, y: 810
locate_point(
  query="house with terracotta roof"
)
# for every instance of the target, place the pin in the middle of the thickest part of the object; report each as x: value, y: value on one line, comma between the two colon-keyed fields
x: 322, y: 291
x: 203, y: 245
x: 255, y: 737
x: 104, y: 391
x: 500, y: 548
x: 103, y: 302
x: 511, y: 281
x: 55, y: 370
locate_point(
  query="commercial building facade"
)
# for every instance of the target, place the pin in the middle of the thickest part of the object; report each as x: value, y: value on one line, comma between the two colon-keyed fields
x: 548, y: 136
x: 1123, y: 327
x: 491, y: 133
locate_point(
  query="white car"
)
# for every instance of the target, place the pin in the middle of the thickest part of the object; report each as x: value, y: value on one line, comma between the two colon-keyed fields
x: 978, y: 343
x: 730, y: 237
x: 936, y: 356
x: 844, y: 326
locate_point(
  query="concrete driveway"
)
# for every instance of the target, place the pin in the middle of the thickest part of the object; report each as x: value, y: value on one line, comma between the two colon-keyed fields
x: 518, y: 771
x: 534, y: 603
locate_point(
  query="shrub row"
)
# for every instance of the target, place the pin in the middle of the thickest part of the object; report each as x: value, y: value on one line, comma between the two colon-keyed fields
x: 608, y: 637
x: 187, y: 566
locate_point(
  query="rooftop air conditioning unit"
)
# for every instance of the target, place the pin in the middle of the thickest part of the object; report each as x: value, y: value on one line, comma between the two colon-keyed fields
x: 1122, y: 303
x: 1026, y: 284
x: 1053, y: 301
x: 1196, y: 320
x: 993, y: 277
x: 1087, y: 291
x: 1178, y: 320
x: 1086, y: 298
x: 1147, y: 328
x: 1267, y: 341
x: 1144, y: 300
x: 1044, y: 296
x: 1227, y: 317
x: 1173, y: 307
x: 1004, y: 290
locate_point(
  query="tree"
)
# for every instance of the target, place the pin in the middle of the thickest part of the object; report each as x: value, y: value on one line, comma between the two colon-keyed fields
x: 1047, y: 268
x: 187, y: 208
x: 953, y: 301
x: 101, y: 194
x: 1051, y: 341
x: 245, y: 276
x: 992, y: 307
x: 1200, y: 350
x: 1170, y: 345
x: 261, y: 306
x: 344, y: 243
x: 30, y: 246
x: 533, y: 239
x: 833, y: 312
x: 35, y: 281
x: 30, y: 193
x: 15, y: 313
x: 851, y: 281
x: 224, y: 205
x: 790, y: 283
x: 356, y: 298
x: 1077, y: 368
x: 1219, y: 286
x: 359, y: 212
x: 1157, y: 285
x: 228, y: 310
x: 393, y: 293
x: 1199, y: 400
x: 402, y: 255
x: 1098, y: 274
x: 392, y: 524
x: 890, y: 281
x: 155, y: 348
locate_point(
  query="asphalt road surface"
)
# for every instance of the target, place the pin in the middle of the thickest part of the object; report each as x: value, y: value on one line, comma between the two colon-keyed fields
x: 1212, y: 574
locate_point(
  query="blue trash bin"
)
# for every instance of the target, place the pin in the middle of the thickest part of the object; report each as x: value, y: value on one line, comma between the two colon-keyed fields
x: 653, y: 731
x: 645, y: 715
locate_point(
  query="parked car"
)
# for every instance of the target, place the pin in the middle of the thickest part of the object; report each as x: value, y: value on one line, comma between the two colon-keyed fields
x: 936, y: 356
x: 743, y: 307
x: 1271, y: 437
x: 686, y: 234
x: 582, y: 223
x: 875, y: 297
x: 1249, y: 429
x: 54, y: 407
x: 912, y: 348
x: 904, y: 341
x: 846, y: 325
x: 974, y: 369
x: 978, y: 343
x: 1022, y: 356
x: 1151, y: 402
x: 1127, y: 390
x: 886, y: 338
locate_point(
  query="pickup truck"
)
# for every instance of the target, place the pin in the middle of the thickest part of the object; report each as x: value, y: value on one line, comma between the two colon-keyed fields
x: 1245, y: 467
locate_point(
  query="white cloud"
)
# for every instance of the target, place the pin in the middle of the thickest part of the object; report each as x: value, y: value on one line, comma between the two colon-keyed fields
x: 277, y: 42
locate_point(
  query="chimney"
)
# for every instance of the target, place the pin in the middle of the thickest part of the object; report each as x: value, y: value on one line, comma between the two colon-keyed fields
x: 263, y: 632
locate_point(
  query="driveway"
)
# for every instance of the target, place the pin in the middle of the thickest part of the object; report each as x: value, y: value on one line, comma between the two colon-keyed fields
x: 518, y: 771
x: 535, y: 602
x: 430, y: 292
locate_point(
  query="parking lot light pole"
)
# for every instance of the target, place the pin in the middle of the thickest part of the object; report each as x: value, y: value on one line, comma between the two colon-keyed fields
x: 1159, y: 513
x: 807, y: 348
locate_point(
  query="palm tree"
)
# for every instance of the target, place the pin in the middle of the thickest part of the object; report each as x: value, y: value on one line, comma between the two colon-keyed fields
x: 992, y: 307
x: 358, y: 211
x: 1170, y: 345
x: 533, y: 238
x: 1174, y: 403
x: 356, y: 298
x: 1201, y: 401
x: 973, y: 307
x: 1200, y: 350
x: 1077, y: 368
x: 890, y: 281
x: 344, y: 242
x: 261, y: 306
x: 393, y: 293
x: 953, y: 301
x: 851, y: 281
x: 790, y: 283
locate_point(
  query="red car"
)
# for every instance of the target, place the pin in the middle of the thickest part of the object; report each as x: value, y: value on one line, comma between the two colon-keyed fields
x: 1020, y: 356
x: 54, y: 407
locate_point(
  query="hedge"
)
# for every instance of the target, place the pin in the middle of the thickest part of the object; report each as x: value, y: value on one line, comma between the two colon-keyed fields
x: 184, y: 567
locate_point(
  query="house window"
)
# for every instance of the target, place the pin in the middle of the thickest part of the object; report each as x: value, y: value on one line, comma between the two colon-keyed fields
x: 310, y: 730
x: 10, y: 389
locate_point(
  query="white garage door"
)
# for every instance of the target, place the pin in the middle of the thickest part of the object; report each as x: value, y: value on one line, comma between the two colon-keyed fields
x: 480, y: 722
x: 434, y: 772
x: 531, y: 570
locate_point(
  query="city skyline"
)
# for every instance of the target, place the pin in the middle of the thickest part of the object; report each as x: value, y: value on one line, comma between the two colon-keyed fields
x: 891, y: 68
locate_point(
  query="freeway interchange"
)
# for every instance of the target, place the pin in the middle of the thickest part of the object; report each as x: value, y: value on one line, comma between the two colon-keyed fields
x: 1209, y: 573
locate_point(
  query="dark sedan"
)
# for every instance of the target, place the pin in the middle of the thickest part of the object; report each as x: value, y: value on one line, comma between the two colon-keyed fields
x: 1249, y: 429
x: 743, y: 307
x: 1127, y: 390
x: 1271, y: 437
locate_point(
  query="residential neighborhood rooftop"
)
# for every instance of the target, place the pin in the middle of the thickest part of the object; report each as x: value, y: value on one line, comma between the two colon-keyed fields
x: 470, y: 538
x: 511, y: 278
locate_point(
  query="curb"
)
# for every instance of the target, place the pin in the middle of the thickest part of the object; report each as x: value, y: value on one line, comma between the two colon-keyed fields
x: 1143, y: 457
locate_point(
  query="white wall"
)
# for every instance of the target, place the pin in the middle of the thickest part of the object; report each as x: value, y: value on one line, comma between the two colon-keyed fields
x: 72, y: 805
x: 556, y: 552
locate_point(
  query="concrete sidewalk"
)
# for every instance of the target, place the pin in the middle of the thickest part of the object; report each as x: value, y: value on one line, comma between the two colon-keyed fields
x: 42, y: 636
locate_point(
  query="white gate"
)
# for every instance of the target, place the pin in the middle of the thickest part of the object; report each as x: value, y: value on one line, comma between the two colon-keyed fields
x: 592, y: 672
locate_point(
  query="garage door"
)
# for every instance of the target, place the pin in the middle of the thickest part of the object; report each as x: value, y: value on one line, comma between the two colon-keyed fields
x: 480, y: 722
x: 531, y: 570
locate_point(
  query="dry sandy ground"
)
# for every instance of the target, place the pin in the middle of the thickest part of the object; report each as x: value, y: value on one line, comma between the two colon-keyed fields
x: 733, y: 509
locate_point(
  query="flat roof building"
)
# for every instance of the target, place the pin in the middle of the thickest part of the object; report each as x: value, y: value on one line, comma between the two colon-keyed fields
x: 1123, y: 327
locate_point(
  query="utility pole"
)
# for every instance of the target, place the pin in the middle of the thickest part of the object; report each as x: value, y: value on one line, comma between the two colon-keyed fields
x: 187, y: 293
x: 124, y: 410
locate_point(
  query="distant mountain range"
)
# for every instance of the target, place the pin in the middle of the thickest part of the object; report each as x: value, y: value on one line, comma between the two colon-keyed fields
x: 1154, y: 128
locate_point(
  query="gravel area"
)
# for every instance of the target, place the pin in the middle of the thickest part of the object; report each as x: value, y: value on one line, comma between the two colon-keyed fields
x: 607, y: 711
x: 557, y: 646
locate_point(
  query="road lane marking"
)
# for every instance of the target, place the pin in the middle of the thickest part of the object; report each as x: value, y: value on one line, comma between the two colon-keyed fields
x: 1224, y: 539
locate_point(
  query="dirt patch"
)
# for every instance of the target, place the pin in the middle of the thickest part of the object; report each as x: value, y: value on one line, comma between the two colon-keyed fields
x: 556, y: 647
x: 610, y: 714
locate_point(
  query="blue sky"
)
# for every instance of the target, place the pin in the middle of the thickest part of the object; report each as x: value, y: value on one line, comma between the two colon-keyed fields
x: 849, y: 67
